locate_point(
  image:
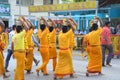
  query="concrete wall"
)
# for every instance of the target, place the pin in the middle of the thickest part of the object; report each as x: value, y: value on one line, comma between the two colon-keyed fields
x: 17, y: 10
x: 38, y: 2
x: 55, y: 1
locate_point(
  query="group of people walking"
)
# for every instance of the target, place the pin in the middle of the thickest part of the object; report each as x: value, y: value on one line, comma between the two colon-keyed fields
x: 21, y: 46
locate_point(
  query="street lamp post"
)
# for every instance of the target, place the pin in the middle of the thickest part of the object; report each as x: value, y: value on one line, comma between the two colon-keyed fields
x: 97, y: 5
x: 20, y: 7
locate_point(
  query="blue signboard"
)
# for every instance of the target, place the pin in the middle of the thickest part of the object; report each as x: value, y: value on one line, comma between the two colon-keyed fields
x: 115, y: 12
x: 4, y: 10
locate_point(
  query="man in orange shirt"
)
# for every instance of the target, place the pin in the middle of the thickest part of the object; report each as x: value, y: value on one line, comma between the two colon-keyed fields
x: 95, y: 52
x: 64, y: 65
x: 72, y: 41
x: 30, y: 44
x: 52, y: 42
x: 93, y: 42
x: 94, y: 49
x: 43, y: 33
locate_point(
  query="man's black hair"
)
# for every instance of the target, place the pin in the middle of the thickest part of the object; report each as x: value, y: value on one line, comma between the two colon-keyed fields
x: 13, y: 27
x: 19, y: 29
x: 106, y: 23
x: 94, y: 27
x: 31, y: 27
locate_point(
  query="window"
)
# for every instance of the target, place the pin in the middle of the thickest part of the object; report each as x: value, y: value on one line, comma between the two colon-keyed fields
x: 25, y: 2
x: 79, y: 0
x: 47, y: 2
x: 51, y: 1
x: 71, y: 1
x: 17, y: 1
x: 31, y: 2
x: 3, y: 1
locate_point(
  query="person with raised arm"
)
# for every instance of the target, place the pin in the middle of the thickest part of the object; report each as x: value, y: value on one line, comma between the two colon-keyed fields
x: 94, y: 49
x: 18, y: 48
x: 30, y: 44
x: 64, y: 65
x: 72, y: 23
x: 43, y: 34
x: 52, y: 42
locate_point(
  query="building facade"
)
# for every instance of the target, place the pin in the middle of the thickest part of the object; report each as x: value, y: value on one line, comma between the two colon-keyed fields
x: 10, y: 10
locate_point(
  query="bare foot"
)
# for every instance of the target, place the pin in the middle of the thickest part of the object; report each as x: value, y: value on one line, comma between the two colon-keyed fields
x: 60, y: 77
x: 42, y: 71
x: 55, y: 78
x: 6, y: 76
x: 46, y: 74
x: 37, y: 72
x: 7, y: 70
x: 100, y: 74
x: 72, y: 76
x: 29, y: 72
x: 87, y: 74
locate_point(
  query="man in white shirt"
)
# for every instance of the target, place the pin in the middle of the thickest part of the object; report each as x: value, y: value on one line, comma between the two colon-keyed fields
x: 10, y: 52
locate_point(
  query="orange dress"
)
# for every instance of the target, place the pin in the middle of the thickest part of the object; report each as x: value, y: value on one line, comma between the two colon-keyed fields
x: 64, y: 65
x: 52, y: 47
x: 44, y: 49
x: 5, y: 39
x: 85, y: 40
x: 52, y: 44
x: 95, y: 52
x: 2, y: 69
x: 29, y: 55
x: 72, y: 42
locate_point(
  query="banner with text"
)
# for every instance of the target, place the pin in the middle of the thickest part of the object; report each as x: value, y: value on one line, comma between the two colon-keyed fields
x: 4, y: 10
x: 64, y: 7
